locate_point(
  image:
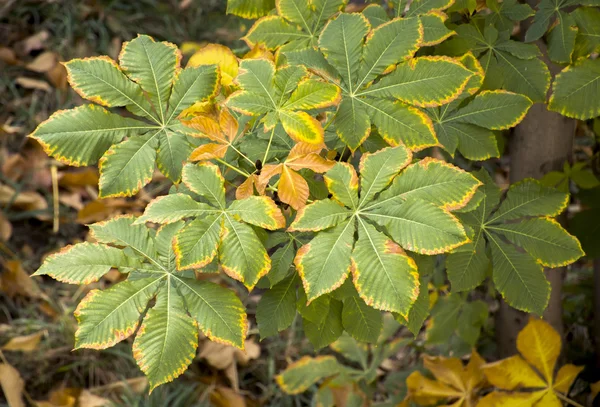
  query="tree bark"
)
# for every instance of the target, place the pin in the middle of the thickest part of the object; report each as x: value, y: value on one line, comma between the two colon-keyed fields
x: 541, y: 143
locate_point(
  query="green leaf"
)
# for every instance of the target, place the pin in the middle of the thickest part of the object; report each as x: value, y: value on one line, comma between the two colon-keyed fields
x: 80, y: 136
x: 83, y: 263
x: 192, y: 85
x: 122, y: 231
x: 341, y: 42
x: 530, y: 198
x: 384, y: 276
x: 421, y: 226
x: 430, y: 180
x: 378, y: 169
x: 352, y: 123
x: 361, y: 321
x: 173, y: 150
x: 495, y: 110
x: 327, y: 331
x: 250, y: 8
x: 420, y: 7
x: 398, y: 123
x: 107, y: 317
x: 434, y: 29
x: 468, y: 268
x: 166, y: 342
x: 588, y: 35
x: 473, y: 142
x: 302, y: 374
x: 529, y: 77
x: 575, y: 91
x: 260, y: 211
x: 561, y: 39
x: 281, y: 262
x: 324, y: 262
x: 313, y: 311
x: 387, y: 45
x: 127, y: 167
x: 544, y: 239
x: 256, y: 77
x: 217, y: 310
x: 376, y: 15
x: 171, y: 208
x: 164, y: 243
x: 444, y: 319
x: 519, y: 278
x: 205, y: 179
x: 196, y: 244
x: 541, y: 20
x: 312, y: 94
x: 471, y: 320
x: 424, y: 81
x: 277, y: 307
x: 420, y: 309
x: 100, y: 80
x: 342, y: 183
x: 152, y: 65
x: 319, y: 215
x: 242, y: 254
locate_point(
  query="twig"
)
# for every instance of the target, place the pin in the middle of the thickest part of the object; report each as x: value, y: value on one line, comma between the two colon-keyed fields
x: 55, y: 201
x: 567, y: 400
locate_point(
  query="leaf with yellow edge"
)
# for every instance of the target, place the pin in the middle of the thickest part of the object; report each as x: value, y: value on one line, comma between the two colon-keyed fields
x: 302, y: 374
x: 453, y: 381
x: 220, y: 128
x: 217, y: 54
x: 540, y: 345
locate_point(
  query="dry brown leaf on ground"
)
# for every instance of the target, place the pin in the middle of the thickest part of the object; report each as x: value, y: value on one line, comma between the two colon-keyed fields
x: 43, y: 62
x: 226, y: 358
x: 12, y: 385
x: 5, y: 228
x: 225, y: 397
x: 27, y: 200
x: 66, y: 397
x: 87, y: 399
x: 15, y: 281
x: 25, y: 343
x: 8, y: 56
x: 33, y: 43
x: 35, y: 84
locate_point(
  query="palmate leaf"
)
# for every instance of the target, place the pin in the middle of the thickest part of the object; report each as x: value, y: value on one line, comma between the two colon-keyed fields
x: 283, y: 95
x: 515, y: 379
x: 305, y: 372
x: 167, y: 336
x: 149, y: 83
x: 216, y: 229
x: 521, y: 236
x: 384, y: 276
x: 508, y: 64
x: 352, y: 54
x: 296, y: 25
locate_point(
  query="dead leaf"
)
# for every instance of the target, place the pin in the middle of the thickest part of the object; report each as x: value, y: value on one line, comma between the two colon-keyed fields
x: 224, y: 397
x: 57, y: 76
x: 12, y: 385
x: 8, y: 56
x: 72, y: 199
x: 35, y: 42
x: 79, y: 179
x: 26, y: 343
x: 36, y: 84
x: 43, y: 62
x: 5, y: 228
x: 8, y: 128
x: 15, y: 281
x: 87, y: 399
x: 66, y: 397
x: 26, y: 201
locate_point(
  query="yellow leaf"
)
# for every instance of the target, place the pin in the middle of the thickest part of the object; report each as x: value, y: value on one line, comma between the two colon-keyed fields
x: 266, y: 173
x: 540, y: 345
x: 595, y: 389
x: 220, y: 55
x: 12, y: 385
x: 549, y: 400
x: 311, y: 161
x: 511, y: 373
x: 426, y: 391
x: 26, y: 343
x: 208, y: 152
x: 246, y: 188
x: 302, y: 127
x: 293, y: 188
x: 446, y: 370
x: 500, y: 399
x: 565, y: 377
x: 259, y: 51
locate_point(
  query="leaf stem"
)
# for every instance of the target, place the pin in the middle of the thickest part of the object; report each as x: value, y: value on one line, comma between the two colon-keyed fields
x: 243, y: 155
x: 567, y: 400
x: 266, y: 156
x: 225, y: 163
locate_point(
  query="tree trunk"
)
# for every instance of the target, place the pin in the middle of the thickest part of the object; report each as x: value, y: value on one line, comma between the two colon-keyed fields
x: 541, y: 143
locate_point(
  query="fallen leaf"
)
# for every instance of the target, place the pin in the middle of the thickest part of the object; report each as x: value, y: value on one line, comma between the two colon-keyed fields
x: 34, y: 42
x: 36, y: 84
x: 57, y: 76
x: 5, y: 228
x: 43, y: 62
x: 8, y: 128
x: 225, y: 397
x: 8, y: 56
x: 79, y: 179
x: 26, y: 343
x: 26, y: 201
x: 12, y: 385
x: 66, y: 397
x: 15, y: 281
x: 87, y: 399
x: 226, y: 357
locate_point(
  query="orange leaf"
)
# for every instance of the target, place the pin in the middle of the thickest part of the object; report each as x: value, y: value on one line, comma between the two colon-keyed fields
x: 246, y: 188
x: 266, y: 173
x: 209, y: 151
x: 311, y: 161
x: 293, y: 189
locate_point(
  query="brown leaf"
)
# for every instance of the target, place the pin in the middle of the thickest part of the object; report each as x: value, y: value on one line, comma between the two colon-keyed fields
x: 66, y: 397
x: 26, y: 343
x: 8, y: 56
x: 87, y: 399
x: 246, y: 188
x: 36, y: 84
x: 12, y: 385
x: 5, y: 228
x: 79, y: 179
x: 34, y: 42
x: 15, y: 281
x: 26, y: 201
x: 58, y: 76
x: 224, y: 397
x: 43, y: 62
